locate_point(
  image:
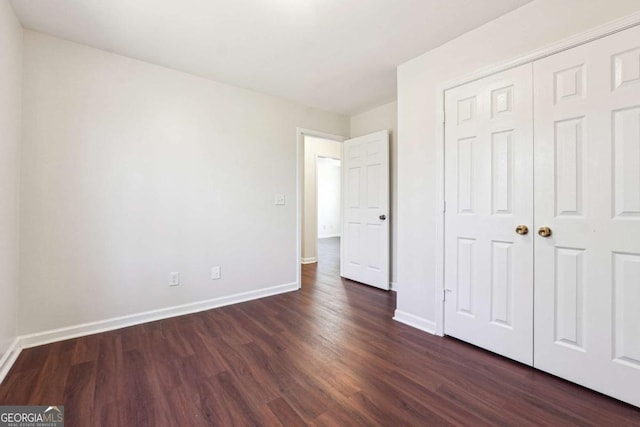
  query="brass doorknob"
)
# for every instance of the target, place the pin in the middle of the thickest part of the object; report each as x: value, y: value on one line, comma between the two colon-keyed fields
x: 545, y: 232
x: 522, y: 230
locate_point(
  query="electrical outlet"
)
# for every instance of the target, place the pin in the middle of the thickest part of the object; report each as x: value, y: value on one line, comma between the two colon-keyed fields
x: 174, y: 278
x: 215, y: 272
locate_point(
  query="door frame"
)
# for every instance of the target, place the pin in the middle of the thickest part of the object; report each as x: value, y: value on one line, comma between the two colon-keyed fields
x: 601, y: 31
x: 300, y: 135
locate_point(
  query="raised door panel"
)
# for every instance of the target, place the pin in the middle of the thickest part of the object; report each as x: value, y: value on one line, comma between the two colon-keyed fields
x: 569, y: 84
x: 626, y: 158
x: 626, y: 315
x: 569, y: 166
x: 502, y: 172
x: 625, y: 68
x: 465, y: 276
x: 352, y: 256
x: 569, y: 292
x: 465, y: 175
x: 502, y: 279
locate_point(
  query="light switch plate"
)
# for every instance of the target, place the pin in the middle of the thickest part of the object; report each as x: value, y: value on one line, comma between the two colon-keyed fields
x: 280, y: 199
x: 215, y: 272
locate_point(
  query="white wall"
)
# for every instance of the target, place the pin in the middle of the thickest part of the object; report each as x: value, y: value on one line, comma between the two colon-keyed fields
x: 314, y: 147
x: 131, y: 171
x: 533, y: 26
x: 384, y: 117
x: 329, y: 203
x: 10, y: 108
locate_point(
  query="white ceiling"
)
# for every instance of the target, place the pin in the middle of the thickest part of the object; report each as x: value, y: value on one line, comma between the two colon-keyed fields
x: 338, y: 55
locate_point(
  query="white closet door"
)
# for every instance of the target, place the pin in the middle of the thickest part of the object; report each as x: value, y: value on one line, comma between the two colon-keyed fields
x: 587, y: 191
x: 489, y: 192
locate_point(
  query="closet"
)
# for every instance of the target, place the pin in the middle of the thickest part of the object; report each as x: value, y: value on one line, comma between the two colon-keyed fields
x: 542, y: 221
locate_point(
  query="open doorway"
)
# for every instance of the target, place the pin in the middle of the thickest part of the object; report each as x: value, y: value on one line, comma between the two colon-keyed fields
x: 321, y: 196
x: 362, y: 252
x: 319, y: 154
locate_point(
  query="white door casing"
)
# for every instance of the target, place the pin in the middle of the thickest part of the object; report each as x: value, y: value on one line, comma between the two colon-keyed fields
x: 364, y: 246
x: 488, y: 273
x: 587, y: 191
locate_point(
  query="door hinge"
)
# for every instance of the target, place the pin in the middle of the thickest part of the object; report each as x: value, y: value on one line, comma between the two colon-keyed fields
x: 444, y: 206
x: 444, y: 116
x: 444, y: 294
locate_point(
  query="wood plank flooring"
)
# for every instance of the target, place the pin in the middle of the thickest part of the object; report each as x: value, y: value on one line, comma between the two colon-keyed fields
x: 329, y: 354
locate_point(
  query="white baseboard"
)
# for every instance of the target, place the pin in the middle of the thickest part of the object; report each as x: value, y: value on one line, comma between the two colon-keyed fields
x: 46, y: 337
x: 309, y: 260
x: 327, y: 236
x: 415, y: 321
x: 9, y: 358
x: 394, y: 286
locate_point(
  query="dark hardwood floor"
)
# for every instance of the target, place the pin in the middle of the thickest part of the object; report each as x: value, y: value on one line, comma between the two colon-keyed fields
x: 329, y: 354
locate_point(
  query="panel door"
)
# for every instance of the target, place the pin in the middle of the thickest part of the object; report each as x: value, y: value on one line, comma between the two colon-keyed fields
x: 364, y: 245
x: 587, y: 191
x: 489, y: 192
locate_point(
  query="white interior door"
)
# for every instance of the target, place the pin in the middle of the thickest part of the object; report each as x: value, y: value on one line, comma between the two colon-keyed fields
x: 489, y: 193
x: 364, y: 247
x: 587, y: 191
